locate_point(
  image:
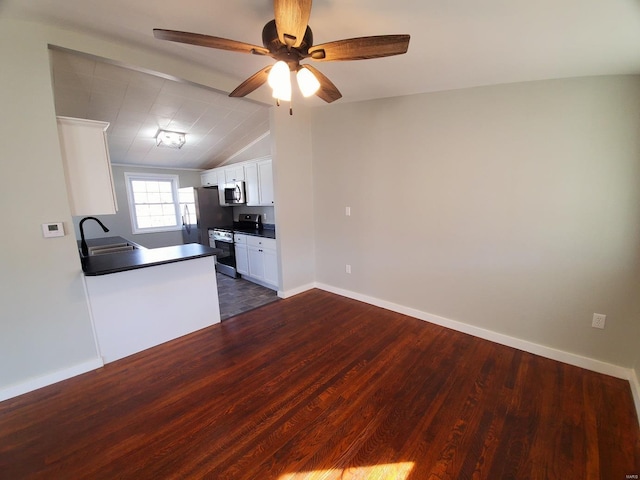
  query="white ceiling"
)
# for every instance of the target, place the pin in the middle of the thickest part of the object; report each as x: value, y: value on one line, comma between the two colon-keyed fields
x: 137, y: 105
x: 454, y: 43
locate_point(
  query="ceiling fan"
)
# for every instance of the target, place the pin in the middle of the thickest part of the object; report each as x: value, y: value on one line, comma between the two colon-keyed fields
x: 289, y: 40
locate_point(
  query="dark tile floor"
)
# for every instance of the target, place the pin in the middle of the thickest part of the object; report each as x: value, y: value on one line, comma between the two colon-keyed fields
x: 238, y: 295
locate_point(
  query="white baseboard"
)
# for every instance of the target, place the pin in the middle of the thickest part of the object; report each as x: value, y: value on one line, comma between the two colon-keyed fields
x: 49, y: 379
x: 296, y: 291
x: 530, y: 347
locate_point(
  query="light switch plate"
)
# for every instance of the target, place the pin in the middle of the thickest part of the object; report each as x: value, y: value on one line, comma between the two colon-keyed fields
x: 50, y: 230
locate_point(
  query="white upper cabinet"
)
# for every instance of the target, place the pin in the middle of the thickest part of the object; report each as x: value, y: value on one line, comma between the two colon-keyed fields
x: 251, y: 184
x: 83, y: 145
x: 265, y: 180
x: 209, y: 178
x: 259, y: 183
x: 234, y: 173
x: 257, y: 175
x: 221, y: 182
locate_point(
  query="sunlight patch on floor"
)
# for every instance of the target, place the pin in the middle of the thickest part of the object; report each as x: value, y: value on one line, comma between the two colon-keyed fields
x: 388, y: 471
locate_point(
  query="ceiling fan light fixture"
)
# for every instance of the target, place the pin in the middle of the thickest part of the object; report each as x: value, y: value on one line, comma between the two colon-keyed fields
x: 280, y: 81
x: 165, y: 138
x: 307, y: 82
x: 288, y: 40
x: 282, y: 92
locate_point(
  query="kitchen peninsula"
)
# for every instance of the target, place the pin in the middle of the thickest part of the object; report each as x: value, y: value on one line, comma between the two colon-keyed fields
x: 142, y: 297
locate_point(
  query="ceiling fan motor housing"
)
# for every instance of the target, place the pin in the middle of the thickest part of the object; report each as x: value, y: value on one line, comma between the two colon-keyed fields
x: 280, y: 51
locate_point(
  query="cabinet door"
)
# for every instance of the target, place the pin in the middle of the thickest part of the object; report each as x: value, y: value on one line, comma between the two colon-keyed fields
x: 252, y: 184
x: 87, y: 166
x: 270, y: 266
x: 234, y: 174
x: 256, y: 262
x: 221, y: 182
x: 265, y: 176
x: 242, y: 259
x: 209, y: 178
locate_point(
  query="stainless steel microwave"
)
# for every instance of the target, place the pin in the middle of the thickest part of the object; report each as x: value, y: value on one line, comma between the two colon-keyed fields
x: 234, y: 193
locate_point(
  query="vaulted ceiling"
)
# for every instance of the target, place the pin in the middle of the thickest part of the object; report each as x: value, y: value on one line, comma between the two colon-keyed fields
x: 454, y: 44
x: 137, y: 105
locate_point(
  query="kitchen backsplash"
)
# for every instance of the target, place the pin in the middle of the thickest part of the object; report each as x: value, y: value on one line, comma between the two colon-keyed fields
x: 266, y: 212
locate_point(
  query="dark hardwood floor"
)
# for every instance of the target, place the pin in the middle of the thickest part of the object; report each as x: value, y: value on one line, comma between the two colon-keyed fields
x: 320, y: 386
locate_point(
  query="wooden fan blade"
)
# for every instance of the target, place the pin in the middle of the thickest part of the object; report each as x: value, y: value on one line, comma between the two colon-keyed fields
x: 208, y: 41
x: 361, y: 48
x: 292, y: 17
x: 250, y: 84
x: 327, y: 91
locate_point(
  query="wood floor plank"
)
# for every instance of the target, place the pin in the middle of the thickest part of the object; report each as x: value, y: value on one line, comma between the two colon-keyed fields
x: 321, y: 386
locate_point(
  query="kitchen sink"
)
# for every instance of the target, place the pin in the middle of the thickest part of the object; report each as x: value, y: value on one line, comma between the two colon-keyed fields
x: 111, y: 248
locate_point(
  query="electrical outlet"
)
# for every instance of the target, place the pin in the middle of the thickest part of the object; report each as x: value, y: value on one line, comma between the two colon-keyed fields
x: 598, y: 320
x: 348, y: 268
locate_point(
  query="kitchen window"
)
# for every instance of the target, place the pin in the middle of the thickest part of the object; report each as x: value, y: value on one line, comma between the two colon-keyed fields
x: 153, y: 202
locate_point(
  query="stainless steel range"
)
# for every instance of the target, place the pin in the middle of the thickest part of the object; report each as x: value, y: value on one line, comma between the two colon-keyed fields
x: 222, y: 239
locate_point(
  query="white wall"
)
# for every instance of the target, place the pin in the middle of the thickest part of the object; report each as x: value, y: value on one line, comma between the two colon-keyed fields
x: 293, y: 185
x: 512, y: 208
x: 44, y: 320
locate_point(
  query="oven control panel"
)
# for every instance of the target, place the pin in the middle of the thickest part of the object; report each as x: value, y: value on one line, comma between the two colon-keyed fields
x: 221, y: 235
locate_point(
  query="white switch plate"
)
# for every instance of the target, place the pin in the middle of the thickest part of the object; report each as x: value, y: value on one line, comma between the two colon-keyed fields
x: 598, y: 320
x: 347, y: 268
x: 347, y: 211
x: 50, y: 230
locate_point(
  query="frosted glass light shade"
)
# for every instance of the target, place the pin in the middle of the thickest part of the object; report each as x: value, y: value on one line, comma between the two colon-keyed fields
x: 165, y: 138
x: 280, y: 81
x: 307, y: 82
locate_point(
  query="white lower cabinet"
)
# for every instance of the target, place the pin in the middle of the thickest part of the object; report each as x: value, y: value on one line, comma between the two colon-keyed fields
x: 256, y: 259
x: 242, y: 259
x: 256, y: 262
x: 270, y: 266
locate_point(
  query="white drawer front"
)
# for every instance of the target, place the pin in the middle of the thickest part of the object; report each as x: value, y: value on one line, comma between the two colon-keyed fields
x: 262, y: 242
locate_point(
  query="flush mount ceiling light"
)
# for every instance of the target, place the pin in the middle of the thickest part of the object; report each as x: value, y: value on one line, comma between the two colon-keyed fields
x: 289, y: 40
x: 165, y: 138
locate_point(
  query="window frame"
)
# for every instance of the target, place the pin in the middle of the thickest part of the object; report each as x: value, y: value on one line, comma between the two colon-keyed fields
x: 129, y: 177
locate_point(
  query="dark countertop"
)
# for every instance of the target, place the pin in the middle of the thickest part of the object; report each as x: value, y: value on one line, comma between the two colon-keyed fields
x: 140, y: 258
x: 265, y: 232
